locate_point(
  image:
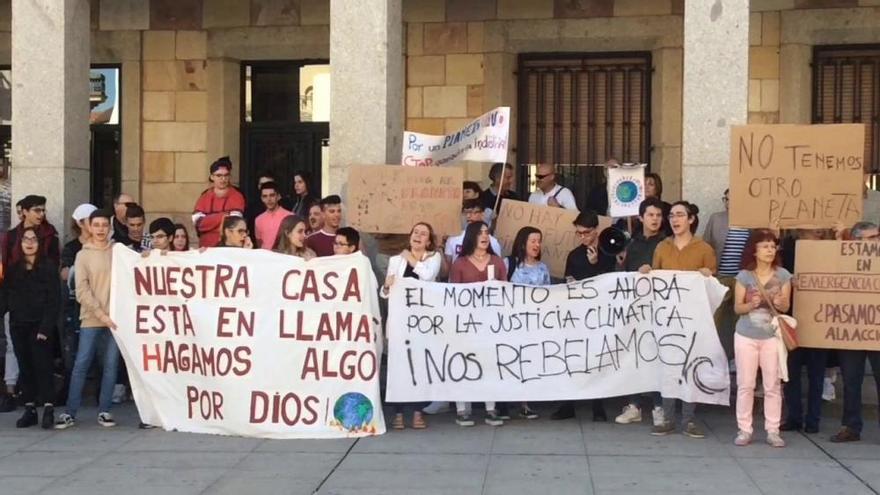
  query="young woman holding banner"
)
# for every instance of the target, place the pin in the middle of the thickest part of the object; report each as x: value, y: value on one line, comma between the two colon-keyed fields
x: 761, y: 282
x: 682, y: 251
x: 235, y: 233
x: 420, y: 261
x: 291, y: 238
x: 524, y: 266
x: 477, y: 262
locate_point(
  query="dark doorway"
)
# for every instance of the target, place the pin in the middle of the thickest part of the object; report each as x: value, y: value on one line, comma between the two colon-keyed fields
x: 106, y: 165
x: 285, y: 122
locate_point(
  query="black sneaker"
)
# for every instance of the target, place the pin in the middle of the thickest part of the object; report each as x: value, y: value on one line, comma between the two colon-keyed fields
x: 464, y: 419
x: 146, y: 426
x: 599, y: 416
x: 48, y: 418
x: 564, y: 412
x: 7, y: 403
x: 492, y: 419
x: 527, y: 413
x: 28, y: 419
x: 790, y: 426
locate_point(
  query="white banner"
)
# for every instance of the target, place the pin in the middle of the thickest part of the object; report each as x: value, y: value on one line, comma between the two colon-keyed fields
x: 250, y: 342
x: 616, y: 334
x: 484, y: 139
x: 626, y: 190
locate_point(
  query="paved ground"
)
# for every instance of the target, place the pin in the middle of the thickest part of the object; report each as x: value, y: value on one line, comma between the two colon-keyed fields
x: 537, y: 457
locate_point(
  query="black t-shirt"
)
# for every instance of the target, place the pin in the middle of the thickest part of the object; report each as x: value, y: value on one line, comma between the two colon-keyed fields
x: 68, y: 254
x: 578, y: 266
x: 488, y: 198
x: 120, y: 231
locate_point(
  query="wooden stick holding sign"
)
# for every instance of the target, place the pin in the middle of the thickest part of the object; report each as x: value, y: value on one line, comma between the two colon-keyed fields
x: 837, y: 295
x: 556, y: 225
x: 796, y: 176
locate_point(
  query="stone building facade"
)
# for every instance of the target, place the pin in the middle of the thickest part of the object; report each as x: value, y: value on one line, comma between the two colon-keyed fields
x: 423, y: 65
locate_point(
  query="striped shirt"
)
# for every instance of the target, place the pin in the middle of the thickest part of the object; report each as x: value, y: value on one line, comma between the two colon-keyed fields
x: 731, y: 255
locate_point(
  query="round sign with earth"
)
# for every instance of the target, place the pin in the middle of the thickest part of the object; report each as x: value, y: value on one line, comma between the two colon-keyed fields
x: 353, y: 411
x: 627, y: 191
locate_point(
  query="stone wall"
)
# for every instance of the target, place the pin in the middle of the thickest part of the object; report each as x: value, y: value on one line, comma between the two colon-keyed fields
x: 462, y: 55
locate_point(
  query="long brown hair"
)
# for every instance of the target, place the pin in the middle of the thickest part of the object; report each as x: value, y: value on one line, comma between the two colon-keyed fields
x: 749, y: 258
x: 282, y: 243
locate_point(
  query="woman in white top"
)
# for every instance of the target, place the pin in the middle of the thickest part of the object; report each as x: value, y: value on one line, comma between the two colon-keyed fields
x: 421, y: 261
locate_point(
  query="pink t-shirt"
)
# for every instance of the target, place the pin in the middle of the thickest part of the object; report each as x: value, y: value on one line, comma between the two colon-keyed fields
x: 266, y: 226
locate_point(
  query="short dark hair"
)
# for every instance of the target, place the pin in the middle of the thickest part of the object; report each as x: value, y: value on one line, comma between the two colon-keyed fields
x: 469, y: 204
x: 331, y: 200
x: 101, y: 213
x: 352, y: 236
x: 269, y: 185
x: 587, y: 218
x: 651, y: 202
x: 134, y: 210
x: 495, y: 170
x: 692, y: 211
x: 32, y: 200
x: 222, y: 162
x: 163, y: 224
x: 473, y: 186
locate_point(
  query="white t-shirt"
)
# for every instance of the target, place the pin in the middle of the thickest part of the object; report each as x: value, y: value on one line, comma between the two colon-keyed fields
x: 563, y: 196
x: 453, y: 246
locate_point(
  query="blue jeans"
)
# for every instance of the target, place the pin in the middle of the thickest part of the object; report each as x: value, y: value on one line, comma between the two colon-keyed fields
x: 815, y: 361
x: 852, y: 366
x: 92, y: 340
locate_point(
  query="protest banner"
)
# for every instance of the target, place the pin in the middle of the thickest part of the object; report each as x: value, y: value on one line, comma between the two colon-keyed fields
x: 796, y: 176
x: 484, y: 139
x: 390, y: 199
x: 250, y: 342
x: 626, y: 190
x: 837, y: 300
x: 616, y: 334
x: 555, y: 225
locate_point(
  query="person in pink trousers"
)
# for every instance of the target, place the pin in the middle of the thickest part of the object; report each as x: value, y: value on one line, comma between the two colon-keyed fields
x: 755, y: 343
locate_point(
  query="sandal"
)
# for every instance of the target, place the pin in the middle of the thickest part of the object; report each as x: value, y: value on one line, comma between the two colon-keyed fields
x: 397, y: 424
x: 419, y: 421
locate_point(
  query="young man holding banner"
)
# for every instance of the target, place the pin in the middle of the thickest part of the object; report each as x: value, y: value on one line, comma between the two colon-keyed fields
x: 586, y: 261
x: 92, y: 271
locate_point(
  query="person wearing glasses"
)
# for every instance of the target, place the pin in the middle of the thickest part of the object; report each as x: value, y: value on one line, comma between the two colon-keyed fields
x: 216, y: 203
x: 728, y: 243
x: 682, y: 251
x: 235, y: 234
x: 31, y: 293
x: 586, y: 261
x: 549, y: 192
x: 162, y: 232
x: 347, y: 241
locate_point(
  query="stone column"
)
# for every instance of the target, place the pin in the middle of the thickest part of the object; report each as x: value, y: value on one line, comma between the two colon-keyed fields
x: 366, y: 85
x: 715, y: 95
x: 50, y: 104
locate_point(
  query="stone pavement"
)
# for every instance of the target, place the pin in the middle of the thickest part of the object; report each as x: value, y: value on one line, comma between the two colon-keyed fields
x: 534, y: 457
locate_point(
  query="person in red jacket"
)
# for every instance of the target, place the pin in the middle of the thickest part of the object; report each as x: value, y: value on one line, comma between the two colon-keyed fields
x: 216, y: 203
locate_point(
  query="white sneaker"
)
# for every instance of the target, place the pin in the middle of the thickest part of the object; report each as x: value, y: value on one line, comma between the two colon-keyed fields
x: 631, y: 414
x: 118, y: 393
x: 437, y: 407
x: 828, y: 392
x: 64, y: 422
x: 106, y: 420
x: 658, y: 415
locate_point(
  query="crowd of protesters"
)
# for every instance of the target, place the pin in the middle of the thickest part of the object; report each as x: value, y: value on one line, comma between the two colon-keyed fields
x: 57, y: 298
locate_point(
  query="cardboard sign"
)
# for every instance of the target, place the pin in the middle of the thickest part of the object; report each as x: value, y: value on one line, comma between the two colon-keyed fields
x: 837, y: 300
x: 555, y: 225
x: 615, y: 334
x: 390, y: 199
x: 796, y: 176
x: 626, y: 190
x: 484, y: 139
x: 250, y: 342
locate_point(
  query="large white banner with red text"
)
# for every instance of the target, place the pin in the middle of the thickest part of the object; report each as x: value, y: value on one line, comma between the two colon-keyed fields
x: 616, y: 334
x: 250, y: 342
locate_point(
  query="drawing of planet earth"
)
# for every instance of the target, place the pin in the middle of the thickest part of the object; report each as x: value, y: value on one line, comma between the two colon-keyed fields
x: 353, y: 410
x: 627, y: 191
